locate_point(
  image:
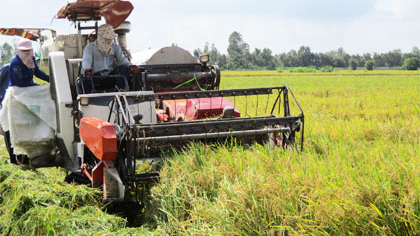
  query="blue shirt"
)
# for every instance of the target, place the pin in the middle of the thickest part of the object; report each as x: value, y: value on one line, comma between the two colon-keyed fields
x: 22, y: 76
x: 93, y: 59
x: 4, y: 79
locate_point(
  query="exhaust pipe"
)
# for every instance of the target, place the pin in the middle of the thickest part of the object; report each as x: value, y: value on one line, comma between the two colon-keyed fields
x: 121, y: 31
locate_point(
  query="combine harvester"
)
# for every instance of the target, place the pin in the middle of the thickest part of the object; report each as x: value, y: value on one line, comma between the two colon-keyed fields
x: 173, y: 99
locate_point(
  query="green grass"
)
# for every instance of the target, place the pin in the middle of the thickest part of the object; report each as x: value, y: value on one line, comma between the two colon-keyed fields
x: 320, y: 73
x: 359, y: 173
x: 39, y: 202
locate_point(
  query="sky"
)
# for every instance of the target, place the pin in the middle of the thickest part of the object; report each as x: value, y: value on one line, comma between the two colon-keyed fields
x: 358, y: 26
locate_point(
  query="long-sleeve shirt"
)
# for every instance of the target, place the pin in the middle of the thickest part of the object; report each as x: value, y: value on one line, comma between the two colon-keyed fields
x: 4, y: 79
x: 22, y: 76
x: 93, y: 59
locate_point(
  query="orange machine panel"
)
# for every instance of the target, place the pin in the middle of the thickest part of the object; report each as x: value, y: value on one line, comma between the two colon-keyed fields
x: 99, y: 136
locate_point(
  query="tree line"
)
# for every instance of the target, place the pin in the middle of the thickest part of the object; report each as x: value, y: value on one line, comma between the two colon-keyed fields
x: 239, y: 57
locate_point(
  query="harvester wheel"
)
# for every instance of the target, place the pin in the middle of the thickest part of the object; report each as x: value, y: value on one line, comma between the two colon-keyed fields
x: 216, y: 73
x: 77, y: 178
x: 132, y: 211
x: 22, y: 160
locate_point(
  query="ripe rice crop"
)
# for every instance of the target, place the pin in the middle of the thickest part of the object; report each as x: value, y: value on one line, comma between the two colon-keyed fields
x: 39, y: 202
x: 319, y: 73
x: 359, y: 173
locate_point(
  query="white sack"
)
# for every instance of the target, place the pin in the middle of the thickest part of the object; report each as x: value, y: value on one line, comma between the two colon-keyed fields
x: 29, y: 114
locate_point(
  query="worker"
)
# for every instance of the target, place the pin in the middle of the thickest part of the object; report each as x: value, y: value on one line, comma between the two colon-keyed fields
x: 23, y: 67
x: 21, y: 73
x: 105, y: 57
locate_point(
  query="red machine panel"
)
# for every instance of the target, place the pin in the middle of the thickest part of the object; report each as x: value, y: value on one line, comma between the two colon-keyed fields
x: 197, y: 108
x: 99, y: 136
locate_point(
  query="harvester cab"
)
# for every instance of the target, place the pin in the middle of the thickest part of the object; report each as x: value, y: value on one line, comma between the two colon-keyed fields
x: 104, y: 136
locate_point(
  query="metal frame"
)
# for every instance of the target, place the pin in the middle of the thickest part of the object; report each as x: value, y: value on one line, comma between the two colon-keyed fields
x: 213, y: 93
x: 206, y: 126
x: 138, y: 141
x: 201, y: 129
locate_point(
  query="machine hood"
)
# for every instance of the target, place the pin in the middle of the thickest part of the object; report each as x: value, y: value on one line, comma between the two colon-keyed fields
x: 165, y: 55
x: 113, y: 11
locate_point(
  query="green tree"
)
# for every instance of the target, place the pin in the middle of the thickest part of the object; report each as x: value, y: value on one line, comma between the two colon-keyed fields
x: 416, y: 52
x: 263, y: 59
x: 217, y: 58
x: 268, y: 59
x: 238, y: 52
x: 379, y: 60
x: 206, y: 48
x: 352, y: 64
x: 256, y: 59
x: 7, y: 53
x: 412, y: 63
x: 292, y: 59
x: 197, y: 52
x: 393, y: 58
x: 305, y: 56
x: 369, y: 64
x: 339, y: 57
x: 339, y: 62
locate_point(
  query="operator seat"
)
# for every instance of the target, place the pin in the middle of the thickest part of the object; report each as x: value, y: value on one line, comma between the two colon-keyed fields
x: 101, y: 84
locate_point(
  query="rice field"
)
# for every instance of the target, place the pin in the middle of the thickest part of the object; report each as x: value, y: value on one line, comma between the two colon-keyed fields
x: 319, y: 73
x: 359, y: 173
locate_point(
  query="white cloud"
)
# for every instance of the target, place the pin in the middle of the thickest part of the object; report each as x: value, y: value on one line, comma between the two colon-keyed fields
x: 280, y: 25
x: 399, y: 8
